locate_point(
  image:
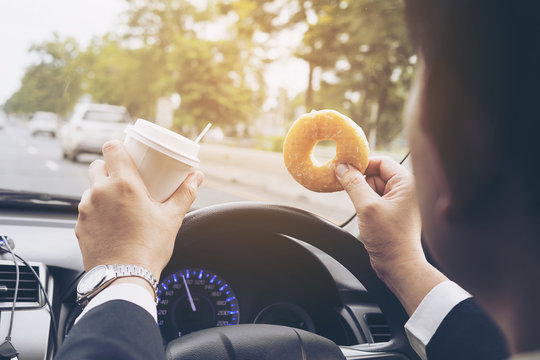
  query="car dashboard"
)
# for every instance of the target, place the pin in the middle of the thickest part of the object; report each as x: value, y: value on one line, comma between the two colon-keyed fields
x: 234, y: 278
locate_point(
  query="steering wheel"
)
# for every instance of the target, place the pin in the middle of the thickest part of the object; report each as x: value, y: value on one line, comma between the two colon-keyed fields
x: 253, y: 341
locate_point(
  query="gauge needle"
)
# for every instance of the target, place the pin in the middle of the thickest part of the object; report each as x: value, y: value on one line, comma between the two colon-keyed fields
x: 189, y: 295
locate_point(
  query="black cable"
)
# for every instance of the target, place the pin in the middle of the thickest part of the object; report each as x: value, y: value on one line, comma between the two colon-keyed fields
x: 53, y: 318
x: 6, y: 244
x: 405, y: 157
x: 354, y: 215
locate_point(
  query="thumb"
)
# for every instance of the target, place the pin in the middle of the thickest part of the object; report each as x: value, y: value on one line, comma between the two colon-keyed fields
x: 186, y: 193
x: 355, y: 185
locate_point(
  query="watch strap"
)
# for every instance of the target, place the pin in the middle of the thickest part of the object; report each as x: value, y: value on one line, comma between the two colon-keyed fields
x: 129, y: 270
x: 117, y: 271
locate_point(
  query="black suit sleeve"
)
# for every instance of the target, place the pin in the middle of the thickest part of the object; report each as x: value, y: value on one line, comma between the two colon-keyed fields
x: 115, y: 330
x: 467, y: 333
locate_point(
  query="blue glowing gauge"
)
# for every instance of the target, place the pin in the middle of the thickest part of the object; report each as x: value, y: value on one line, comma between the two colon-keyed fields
x: 195, y: 299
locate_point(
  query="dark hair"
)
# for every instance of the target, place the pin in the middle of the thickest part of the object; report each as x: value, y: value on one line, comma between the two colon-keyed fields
x: 482, y: 104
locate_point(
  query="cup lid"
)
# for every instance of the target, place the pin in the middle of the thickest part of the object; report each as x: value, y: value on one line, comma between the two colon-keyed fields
x: 165, y: 141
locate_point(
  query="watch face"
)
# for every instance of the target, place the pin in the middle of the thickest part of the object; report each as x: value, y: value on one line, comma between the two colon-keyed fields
x: 93, y: 279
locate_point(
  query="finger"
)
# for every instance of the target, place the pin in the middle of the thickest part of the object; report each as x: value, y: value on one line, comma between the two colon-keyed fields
x: 83, y: 204
x: 97, y: 171
x: 355, y: 185
x: 118, y: 163
x: 385, y: 168
x: 371, y: 182
x: 85, y: 197
x: 186, y: 193
x: 377, y: 184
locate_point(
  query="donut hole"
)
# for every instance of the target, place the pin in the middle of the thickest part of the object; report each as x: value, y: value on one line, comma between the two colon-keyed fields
x: 323, y: 151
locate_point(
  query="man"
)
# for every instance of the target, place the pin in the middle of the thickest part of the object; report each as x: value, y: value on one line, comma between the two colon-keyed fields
x: 473, y: 128
x: 474, y: 153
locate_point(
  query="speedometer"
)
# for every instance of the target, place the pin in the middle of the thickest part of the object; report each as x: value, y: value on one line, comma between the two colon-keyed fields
x: 195, y: 299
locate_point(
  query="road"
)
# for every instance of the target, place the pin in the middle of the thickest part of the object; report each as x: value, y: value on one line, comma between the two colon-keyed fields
x: 36, y: 164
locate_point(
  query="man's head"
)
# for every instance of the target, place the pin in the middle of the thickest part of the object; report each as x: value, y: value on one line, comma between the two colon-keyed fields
x: 474, y: 128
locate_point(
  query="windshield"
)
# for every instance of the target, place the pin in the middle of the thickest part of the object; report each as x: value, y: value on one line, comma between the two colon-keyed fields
x: 250, y: 67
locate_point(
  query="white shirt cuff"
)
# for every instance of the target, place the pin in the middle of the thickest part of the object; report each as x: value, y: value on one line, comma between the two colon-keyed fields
x: 429, y: 315
x: 534, y: 355
x: 133, y: 293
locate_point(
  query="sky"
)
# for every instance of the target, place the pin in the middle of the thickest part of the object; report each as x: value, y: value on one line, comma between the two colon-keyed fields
x: 24, y: 22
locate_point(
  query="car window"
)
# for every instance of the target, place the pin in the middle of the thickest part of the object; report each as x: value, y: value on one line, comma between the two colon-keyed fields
x: 44, y: 116
x: 105, y: 116
x: 249, y: 67
x: 46, y: 119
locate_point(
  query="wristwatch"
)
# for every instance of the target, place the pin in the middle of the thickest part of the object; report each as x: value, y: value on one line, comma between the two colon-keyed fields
x: 102, y: 276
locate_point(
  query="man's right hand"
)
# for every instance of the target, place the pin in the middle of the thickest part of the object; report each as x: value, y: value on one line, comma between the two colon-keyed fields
x: 119, y: 223
x: 390, y: 227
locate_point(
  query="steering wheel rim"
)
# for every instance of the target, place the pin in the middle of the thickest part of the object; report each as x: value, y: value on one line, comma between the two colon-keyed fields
x: 314, y: 230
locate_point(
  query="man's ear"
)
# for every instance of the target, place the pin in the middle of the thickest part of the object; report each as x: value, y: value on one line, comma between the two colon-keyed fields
x: 456, y: 126
x: 442, y: 201
x: 443, y: 208
x: 446, y: 205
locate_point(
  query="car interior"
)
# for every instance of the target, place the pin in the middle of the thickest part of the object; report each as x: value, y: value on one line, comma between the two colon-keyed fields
x: 260, y: 262
x: 283, y: 266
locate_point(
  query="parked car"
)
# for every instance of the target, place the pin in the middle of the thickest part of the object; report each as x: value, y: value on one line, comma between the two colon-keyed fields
x: 44, y: 122
x: 90, y: 126
x: 2, y: 120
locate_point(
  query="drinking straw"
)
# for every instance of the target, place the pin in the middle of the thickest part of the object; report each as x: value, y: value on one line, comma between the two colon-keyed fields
x: 203, y: 133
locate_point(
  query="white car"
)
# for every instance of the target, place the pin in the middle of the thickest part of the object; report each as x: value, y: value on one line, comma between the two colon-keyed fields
x: 90, y: 126
x: 43, y: 122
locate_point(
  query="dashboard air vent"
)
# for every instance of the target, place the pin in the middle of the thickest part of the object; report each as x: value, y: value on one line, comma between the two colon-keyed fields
x: 29, y: 292
x: 380, y: 331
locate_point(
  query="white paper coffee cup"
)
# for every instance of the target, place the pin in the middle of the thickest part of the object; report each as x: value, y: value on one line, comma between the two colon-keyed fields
x: 163, y: 157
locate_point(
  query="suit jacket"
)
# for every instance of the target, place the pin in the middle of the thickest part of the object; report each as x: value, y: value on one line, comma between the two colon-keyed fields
x: 120, y: 330
x: 115, y: 330
x: 467, y: 333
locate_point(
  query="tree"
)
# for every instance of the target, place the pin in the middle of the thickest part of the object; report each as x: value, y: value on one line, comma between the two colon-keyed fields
x: 273, y: 16
x: 118, y: 75
x: 211, y: 76
x: 53, y: 84
x: 360, y: 46
x: 364, y: 48
x: 211, y: 81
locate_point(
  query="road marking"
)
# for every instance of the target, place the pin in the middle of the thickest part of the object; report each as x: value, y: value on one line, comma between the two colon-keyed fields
x: 51, y: 165
x: 31, y: 150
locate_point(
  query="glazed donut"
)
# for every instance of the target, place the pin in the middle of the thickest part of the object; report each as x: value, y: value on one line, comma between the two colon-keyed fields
x: 351, y: 147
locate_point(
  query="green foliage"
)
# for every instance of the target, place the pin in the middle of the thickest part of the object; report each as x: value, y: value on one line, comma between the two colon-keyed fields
x: 210, y: 81
x: 118, y: 75
x: 361, y: 48
x: 54, y: 84
x: 168, y: 57
x: 364, y: 44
